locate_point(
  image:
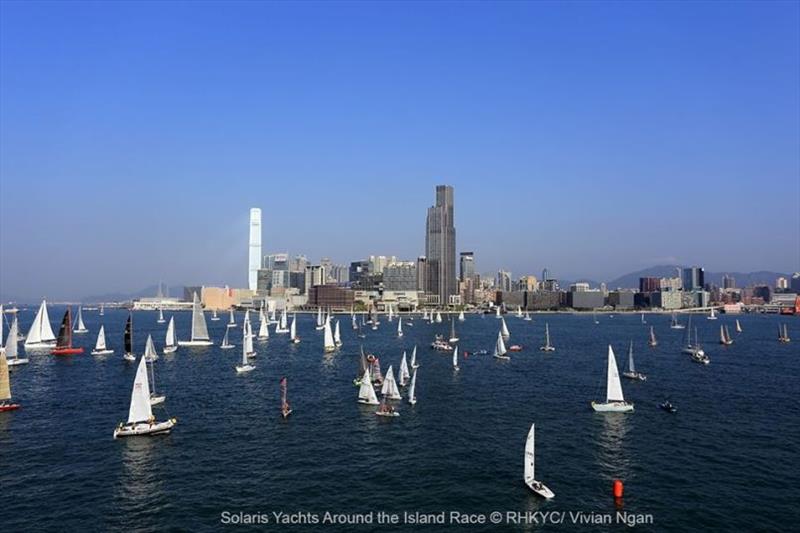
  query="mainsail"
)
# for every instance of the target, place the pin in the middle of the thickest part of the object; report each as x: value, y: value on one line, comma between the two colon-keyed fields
x: 199, y: 327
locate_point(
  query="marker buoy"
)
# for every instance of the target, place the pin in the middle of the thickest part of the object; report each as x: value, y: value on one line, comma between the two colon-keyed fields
x: 618, y: 488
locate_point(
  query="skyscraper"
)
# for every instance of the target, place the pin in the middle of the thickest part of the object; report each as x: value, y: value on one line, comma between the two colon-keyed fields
x: 467, y: 265
x: 255, y: 249
x: 440, y: 246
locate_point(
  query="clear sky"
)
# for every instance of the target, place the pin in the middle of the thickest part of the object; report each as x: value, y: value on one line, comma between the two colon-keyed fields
x: 591, y: 138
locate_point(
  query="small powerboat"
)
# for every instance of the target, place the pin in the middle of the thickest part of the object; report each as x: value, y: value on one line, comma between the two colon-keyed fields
x: 668, y: 407
x: 515, y: 348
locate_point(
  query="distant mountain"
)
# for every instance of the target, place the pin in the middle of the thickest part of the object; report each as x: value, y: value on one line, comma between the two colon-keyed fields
x: 151, y: 291
x: 743, y: 279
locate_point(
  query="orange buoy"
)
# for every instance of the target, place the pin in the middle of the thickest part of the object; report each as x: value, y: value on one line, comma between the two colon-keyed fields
x: 618, y: 488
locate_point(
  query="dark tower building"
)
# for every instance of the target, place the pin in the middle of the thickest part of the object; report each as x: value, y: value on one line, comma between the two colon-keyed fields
x: 440, y: 247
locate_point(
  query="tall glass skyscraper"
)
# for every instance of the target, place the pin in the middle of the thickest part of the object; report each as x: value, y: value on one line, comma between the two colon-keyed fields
x: 255, y: 249
x: 440, y: 247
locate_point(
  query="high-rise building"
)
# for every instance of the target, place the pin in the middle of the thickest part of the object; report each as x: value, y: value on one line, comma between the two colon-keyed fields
x: 728, y: 282
x: 503, y: 281
x: 440, y: 246
x: 782, y: 284
x: 400, y: 276
x: 649, y: 284
x: 467, y: 266
x: 255, y: 249
x: 422, y: 272
x: 693, y: 279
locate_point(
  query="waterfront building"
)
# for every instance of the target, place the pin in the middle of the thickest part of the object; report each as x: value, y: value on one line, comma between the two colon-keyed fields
x: 440, y: 246
x: 315, y: 275
x: 693, y: 279
x: 330, y: 296
x: 622, y: 299
x: 728, y: 282
x: 585, y: 299
x: 665, y: 299
x: 503, y: 281
x: 400, y: 276
x: 649, y: 284
x: 467, y: 266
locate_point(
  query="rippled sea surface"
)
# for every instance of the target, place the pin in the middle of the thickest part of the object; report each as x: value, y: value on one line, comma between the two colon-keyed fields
x: 727, y: 461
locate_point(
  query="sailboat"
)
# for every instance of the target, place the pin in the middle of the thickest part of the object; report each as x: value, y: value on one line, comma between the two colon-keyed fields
x: 615, y: 401
x: 461, y: 317
x: 214, y: 316
x: 80, y: 327
x: 12, y: 346
x: 232, y: 320
x: 263, y: 325
x: 384, y: 409
x: 724, y: 336
x: 5, y: 386
x: 674, y: 324
x: 412, y: 391
x: 389, y: 388
x: 424, y: 314
x: 632, y: 373
x: 738, y: 326
x: 519, y: 312
x: 366, y: 392
x: 328, y: 344
x: 293, y: 336
x: 547, y: 346
x: 455, y: 359
x: 404, y: 375
x: 320, y: 320
x: 694, y: 350
x: 170, y: 343
x: 643, y: 320
x: 273, y: 318
x: 150, y: 356
x: 453, y: 337
x: 354, y: 321
x: 128, y: 339
x: 160, y: 316
x: 783, y: 335
x: 712, y: 315
x: 438, y: 317
x: 527, y: 317
x: 400, y: 328
x: 226, y: 343
x: 497, y: 312
x: 41, y: 334
x: 102, y: 310
x: 286, y: 409
x: 652, y: 342
x: 247, y: 327
x: 64, y: 341
x: 100, y: 347
x: 245, y: 366
x: 530, y: 479
x: 594, y: 317
x: 337, y: 336
x: 504, y: 329
x: 391, y: 314
x: 283, y: 326
x: 500, y: 348
x: 199, y: 327
x: 140, y: 415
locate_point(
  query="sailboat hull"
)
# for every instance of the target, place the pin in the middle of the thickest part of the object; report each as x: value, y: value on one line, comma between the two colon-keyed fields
x: 80, y: 331
x: 67, y: 351
x: 612, y: 407
x: 635, y: 375
x: 170, y: 349
x: 539, y: 488
x: 155, y: 400
x: 241, y: 369
x: 9, y: 407
x: 144, y: 428
x: 40, y: 345
x: 18, y: 361
x: 547, y: 349
x: 102, y: 352
x: 226, y: 346
x: 195, y: 343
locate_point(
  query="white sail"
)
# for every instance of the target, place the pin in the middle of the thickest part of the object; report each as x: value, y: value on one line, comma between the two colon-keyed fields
x: 455, y: 358
x: 412, y: 392
x: 40, y: 332
x: 391, y: 316
x: 631, y: 368
x: 199, y: 328
x: 461, y: 316
x: 150, y: 353
x: 613, y: 385
x: 225, y: 341
x: 248, y: 334
x: 140, y: 409
x: 100, y: 345
x: 500, y: 346
x: 5, y: 383
x: 80, y: 327
x: 263, y: 327
x: 438, y: 317
x: 320, y: 322
x: 337, y: 337
x: 284, y: 322
x: 353, y: 320
x: 404, y: 374
x: 497, y: 312
x: 530, y: 461
x: 328, y: 343
x: 170, y: 337
x: 547, y: 334
x: 389, y: 387
x: 738, y: 326
x: 160, y: 316
x: 504, y: 328
x: 366, y: 393
x: 2, y: 324
x: 11, y: 341
x: 245, y: 339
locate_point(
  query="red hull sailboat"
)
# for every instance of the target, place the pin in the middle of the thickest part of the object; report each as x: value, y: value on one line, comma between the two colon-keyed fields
x: 64, y: 342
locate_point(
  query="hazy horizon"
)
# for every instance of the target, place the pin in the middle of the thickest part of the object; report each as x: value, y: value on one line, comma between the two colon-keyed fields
x: 591, y: 139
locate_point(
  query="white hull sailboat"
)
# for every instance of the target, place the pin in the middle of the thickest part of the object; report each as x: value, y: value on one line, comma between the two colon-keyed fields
x: 226, y: 343
x: 231, y: 320
x: 80, y: 327
x: 674, y: 324
x: 632, y: 373
x: 283, y: 323
x: 527, y: 317
x: 328, y: 344
x: 404, y: 374
x: 263, y: 326
x: 199, y: 327
x: 389, y: 387
x: 652, y: 342
x: 412, y: 391
x: 214, y: 316
x: 366, y: 392
x: 530, y: 462
x: 453, y: 336
x: 783, y: 334
x: 150, y: 356
x: 12, y: 346
x: 320, y: 320
x: 337, y: 336
x: 100, y: 347
x: 414, y: 363
x: 712, y: 315
x: 455, y: 359
x: 41, y: 333
x: 160, y: 316
x: 615, y: 401
x: 170, y: 343
x: 461, y: 317
x: 500, y: 348
x: 247, y: 329
x: 293, y: 336
x: 246, y: 337
x: 725, y: 336
x: 400, y: 328
x: 504, y: 329
x: 547, y: 346
x: 140, y: 415
x: 738, y: 326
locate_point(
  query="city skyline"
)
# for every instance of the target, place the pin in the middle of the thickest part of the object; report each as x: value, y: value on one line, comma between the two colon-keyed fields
x: 646, y: 151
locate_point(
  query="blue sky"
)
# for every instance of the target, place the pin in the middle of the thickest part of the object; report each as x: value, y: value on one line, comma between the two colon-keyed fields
x: 591, y: 138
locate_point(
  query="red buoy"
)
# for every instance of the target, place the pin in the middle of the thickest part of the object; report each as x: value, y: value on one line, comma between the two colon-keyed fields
x: 618, y: 488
